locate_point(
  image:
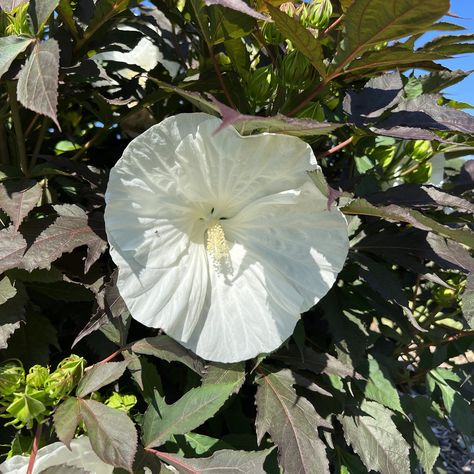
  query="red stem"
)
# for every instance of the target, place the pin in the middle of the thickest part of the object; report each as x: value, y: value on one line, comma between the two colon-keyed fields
x: 34, y: 449
x: 332, y: 25
x: 337, y: 147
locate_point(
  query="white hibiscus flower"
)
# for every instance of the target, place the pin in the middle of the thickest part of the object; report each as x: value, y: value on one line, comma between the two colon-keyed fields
x: 221, y: 240
x: 57, y: 454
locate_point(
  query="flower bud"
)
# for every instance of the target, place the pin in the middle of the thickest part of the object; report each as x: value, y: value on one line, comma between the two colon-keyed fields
x: 295, y: 70
x: 12, y: 378
x: 66, y: 376
x: 271, y: 33
x: 37, y: 376
x: 317, y: 14
x: 261, y: 85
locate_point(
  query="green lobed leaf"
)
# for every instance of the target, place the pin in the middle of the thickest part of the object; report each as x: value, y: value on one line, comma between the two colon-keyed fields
x: 66, y: 418
x: 291, y: 421
x: 224, y: 461
x: 302, y: 39
x: 379, y: 387
x: 100, y: 375
x: 369, y: 22
x: 468, y: 301
x: 10, y: 48
x: 189, y: 412
x: 375, y: 438
x: 112, y: 433
x: 38, y: 80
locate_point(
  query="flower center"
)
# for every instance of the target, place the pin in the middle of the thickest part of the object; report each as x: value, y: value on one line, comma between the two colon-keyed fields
x: 217, y: 248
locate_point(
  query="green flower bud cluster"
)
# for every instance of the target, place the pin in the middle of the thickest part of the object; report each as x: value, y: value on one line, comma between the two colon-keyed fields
x: 296, y: 70
x: 28, y: 397
x: 420, y: 151
x: 261, y: 85
x: 316, y: 14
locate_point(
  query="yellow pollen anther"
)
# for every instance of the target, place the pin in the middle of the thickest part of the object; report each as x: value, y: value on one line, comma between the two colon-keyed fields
x: 217, y: 248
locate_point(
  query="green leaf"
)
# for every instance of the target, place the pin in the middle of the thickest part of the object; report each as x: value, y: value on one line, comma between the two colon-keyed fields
x: 468, y: 301
x: 291, y: 421
x: 189, y: 412
x: 18, y: 198
x: 66, y: 418
x: 370, y: 22
x: 100, y: 375
x: 10, y: 48
x: 302, y: 39
x: 40, y: 11
x: 379, y: 387
x: 225, y: 374
x: 375, y: 438
x: 425, y: 442
x: 395, y: 57
x: 7, y: 290
x: 38, y: 80
x: 226, y: 460
x: 168, y: 349
x: 112, y: 433
x: 201, y: 444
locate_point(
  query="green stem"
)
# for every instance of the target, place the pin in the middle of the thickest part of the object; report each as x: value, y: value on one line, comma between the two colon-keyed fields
x: 20, y: 140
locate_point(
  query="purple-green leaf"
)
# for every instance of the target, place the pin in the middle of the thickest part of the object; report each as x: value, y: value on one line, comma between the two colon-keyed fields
x: 292, y: 423
x: 66, y: 418
x: 18, y: 198
x: 226, y: 460
x: 238, y: 5
x: 38, y: 80
x: 10, y: 48
x: 112, y: 433
x: 100, y: 375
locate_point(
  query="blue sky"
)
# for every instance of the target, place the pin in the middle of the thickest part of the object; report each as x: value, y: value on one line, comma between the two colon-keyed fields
x: 463, y: 91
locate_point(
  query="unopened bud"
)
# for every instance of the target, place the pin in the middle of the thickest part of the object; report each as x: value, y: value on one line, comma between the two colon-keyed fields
x: 261, y: 85
x: 37, y: 376
x: 316, y: 14
x: 66, y: 376
x: 295, y: 70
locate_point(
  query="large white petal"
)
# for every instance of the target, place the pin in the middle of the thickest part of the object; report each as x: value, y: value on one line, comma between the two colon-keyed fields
x: 146, y: 210
x: 81, y: 455
x: 251, y: 312
x: 294, y: 234
x: 231, y: 171
x: 168, y: 298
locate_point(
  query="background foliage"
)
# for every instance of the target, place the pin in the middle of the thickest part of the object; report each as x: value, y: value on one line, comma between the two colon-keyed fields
x: 373, y: 367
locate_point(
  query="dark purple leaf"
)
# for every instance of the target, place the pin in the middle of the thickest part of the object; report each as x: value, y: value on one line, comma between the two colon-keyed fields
x: 38, y: 80
x: 425, y: 112
x: 12, y: 248
x: 18, y: 198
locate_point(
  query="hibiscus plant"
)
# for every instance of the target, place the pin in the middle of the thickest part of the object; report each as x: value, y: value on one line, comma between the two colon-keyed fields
x: 235, y: 236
